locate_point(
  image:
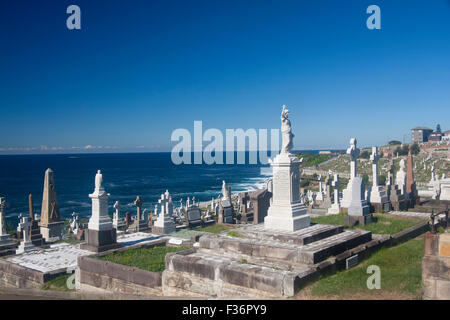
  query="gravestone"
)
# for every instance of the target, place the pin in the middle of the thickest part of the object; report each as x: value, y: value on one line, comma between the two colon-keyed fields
x: 51, y: 225
x: 411, y: 189
x: 139, y: 225
x: 225, y: 208
x: 260, y: 200
x: 26, y: 245
x: 286, y: 211
x: 326, y: 203
x: 336, y: 206
x: 400, y: 179
x: 128, y: 219
x: 165, y: 224
x: 6, y: 243
x: 398, y: 201
x: 320, y: 193
x: 117, y: 221
x: 100, y: 235
x: 378, y: 196
x: 193, y: 216
x: 353, y: 195
x: 35, y: 232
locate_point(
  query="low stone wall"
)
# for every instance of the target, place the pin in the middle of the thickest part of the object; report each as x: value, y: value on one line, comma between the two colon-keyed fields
x: 410, y: 233
x: 436, y: 267
x: 15, y: 276
x: 94, y: 275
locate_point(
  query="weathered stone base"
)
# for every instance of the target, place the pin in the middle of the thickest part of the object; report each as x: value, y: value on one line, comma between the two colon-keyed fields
x: 334, y: 209
x: 7, y: 245
x: 399, y: 205
x: 300, y: 237
x: 52, y: 230
x: 260, y: 264
x: 379, y: 207
x: 139, y: 227
x: 358, y: 209
x: 26, y: 247
x: 99, y: 241
x: 166, y: 230
x: 436, y: 267
x: 351, y: 220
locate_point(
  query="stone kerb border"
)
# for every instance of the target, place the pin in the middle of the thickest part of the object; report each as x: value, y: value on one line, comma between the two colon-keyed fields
x: 115, y: 277
x: 16, y: 276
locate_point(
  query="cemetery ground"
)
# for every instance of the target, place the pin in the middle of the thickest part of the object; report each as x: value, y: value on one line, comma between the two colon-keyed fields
x: 151, y: 259
x: 381, y: 223
x: 401, y: 276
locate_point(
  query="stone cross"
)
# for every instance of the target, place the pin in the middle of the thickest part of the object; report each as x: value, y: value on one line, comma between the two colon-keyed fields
x: 164, y: 201
x: 2, y: 216
x: 25, y: 225
x: 374, y: 157
x: 353, y: 151
x: 336, y: 183
x: 138, y: 203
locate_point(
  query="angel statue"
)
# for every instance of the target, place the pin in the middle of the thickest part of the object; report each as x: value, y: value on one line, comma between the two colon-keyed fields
x: 287, y: 136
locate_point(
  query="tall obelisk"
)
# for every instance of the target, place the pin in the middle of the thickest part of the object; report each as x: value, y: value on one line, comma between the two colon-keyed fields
x: 51, y: 226
x: 411, y: 183
x: 286, y: 212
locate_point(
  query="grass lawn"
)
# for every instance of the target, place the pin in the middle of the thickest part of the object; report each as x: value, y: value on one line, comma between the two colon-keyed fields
x: 215, y: 228
x: 59, y: 283
x: 381, y: 223
x: 150, y: 259
x: 401, y: 276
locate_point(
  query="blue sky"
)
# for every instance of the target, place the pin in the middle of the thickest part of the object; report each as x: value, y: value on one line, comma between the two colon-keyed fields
x: 137, y: 70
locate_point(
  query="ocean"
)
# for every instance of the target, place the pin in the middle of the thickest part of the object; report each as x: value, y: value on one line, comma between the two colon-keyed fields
x: 125, y: 176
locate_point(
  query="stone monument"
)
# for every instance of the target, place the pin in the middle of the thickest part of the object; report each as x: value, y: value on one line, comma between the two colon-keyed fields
x: 117, y: 221
x: 320, y: 194
x: 286, y: 211
x: 26, y: 245
x: 378, y: 196
x: 353, y: 196
x: 336, y: 206
x: 396, y: 198
x: 193, y: 216
x: 226, y: 207
x: 6, y: 243
x: 400, y: 179
x: 35, y: 233
x: 100, y: 235
x: 411, y: 189
x: 165, y: 224
x: 139, y: 225
x: 51, y: 226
